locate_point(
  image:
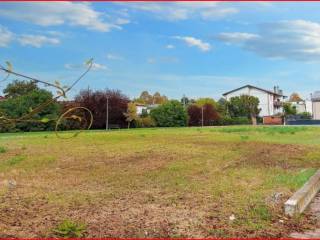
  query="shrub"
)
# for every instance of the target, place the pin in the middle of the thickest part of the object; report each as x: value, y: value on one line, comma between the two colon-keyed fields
x: 2, y: 149
x: 145, y: 122
x: 226, y: 120
x: 70, y: 229
x: 170, y: 114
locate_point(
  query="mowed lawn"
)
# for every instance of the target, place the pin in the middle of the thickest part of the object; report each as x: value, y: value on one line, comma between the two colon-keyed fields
x: 178, y: 182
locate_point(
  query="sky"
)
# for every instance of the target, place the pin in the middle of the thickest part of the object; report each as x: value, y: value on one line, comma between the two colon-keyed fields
x: 175, y: 48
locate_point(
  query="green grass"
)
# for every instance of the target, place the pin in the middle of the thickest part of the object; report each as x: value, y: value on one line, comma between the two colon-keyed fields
x: 197, y: 176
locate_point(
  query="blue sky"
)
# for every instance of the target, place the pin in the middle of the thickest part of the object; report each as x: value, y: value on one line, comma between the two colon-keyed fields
x: 196, y: 49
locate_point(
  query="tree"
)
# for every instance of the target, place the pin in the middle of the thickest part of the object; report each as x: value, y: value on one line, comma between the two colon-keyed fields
x: 170, y: 114
x: 19, y: 88
x: 96, y: 101
x: 222, y: 107
x: 210, y: 115
x: 20, y: 101
x: 244, y: 106
x: 289, y: 109
x: 194, y: 113
x: 295, y: 98
x: 156, y: 98
x: 187, y: 101
x: 131, y: 114
x: 202, y: 101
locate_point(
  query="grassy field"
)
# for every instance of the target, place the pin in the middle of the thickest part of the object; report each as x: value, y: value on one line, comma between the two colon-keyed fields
x: 184, y: 182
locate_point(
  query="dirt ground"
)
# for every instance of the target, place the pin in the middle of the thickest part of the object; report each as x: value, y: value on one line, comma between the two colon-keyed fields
x: 163, y: 185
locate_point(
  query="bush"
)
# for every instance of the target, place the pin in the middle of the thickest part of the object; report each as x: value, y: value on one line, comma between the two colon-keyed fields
x: 2, y: 149
x: 170, y: 114
x: 226, y: 120
x: 70, y: 229
x: 145, y: 122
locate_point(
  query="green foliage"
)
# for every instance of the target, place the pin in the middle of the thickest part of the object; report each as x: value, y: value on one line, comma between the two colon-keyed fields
x: 145, y: 122
x: 70, y: 229
x: 289, y: 109
x: 305, y: 115
x: 202, y: 101
x: 170, y: 114
x: 21, y: 101
x: 226, y: 120
x: 19, y: 88
x: 243, y: 106
x: 2, y: 149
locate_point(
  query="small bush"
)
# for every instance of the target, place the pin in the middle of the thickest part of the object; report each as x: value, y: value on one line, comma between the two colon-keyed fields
x: 232, y: 121
x: 70, y: 229
x: 145, y: 122
x: 2, y: 149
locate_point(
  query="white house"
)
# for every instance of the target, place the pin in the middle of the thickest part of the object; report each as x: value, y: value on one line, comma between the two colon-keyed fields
x: 141, y: 108
x: 270, y: 102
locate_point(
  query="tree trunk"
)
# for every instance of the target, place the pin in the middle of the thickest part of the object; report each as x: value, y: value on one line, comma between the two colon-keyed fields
x: 128, y: 124
x: 254, y: 120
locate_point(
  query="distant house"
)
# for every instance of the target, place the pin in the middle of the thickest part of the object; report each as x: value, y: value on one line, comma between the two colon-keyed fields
x: 298, y: 103
x: 140, y: 108
x: 2, y: 98
x: 315, y: 99
x: 143, y: 107
x: 270, y: 102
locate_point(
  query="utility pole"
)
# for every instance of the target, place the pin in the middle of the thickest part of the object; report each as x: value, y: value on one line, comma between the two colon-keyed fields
x: 202, y: 116
x: 107, y: 114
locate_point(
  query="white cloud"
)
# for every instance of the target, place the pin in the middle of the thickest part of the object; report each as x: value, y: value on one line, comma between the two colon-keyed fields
x: 5, y: 36
x: 195, y: 42
x: 236, y: 37
x: 37, y: 40
x: 95, y: 66
x: 112, y: 56
x: 59, y: 13
x: 173, y: 11
x: 170, y: 46
x: 295, y: 39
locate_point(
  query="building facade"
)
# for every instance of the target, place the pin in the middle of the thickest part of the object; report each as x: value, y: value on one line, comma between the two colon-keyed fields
x: 270, y: 102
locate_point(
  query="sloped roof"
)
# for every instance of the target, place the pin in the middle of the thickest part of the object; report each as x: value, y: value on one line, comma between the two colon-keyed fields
x: 250, y: 86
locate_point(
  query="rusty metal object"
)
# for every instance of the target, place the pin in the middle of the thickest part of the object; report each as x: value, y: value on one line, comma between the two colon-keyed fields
x: 84, y: 120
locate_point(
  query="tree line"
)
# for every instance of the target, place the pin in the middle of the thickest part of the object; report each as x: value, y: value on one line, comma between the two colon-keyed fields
x: 159, y: 111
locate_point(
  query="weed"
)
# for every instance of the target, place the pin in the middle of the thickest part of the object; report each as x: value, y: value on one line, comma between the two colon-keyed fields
x: 15, y: 160
x: 2, y: 149
x: 244, y: 137
x: 70, y: 229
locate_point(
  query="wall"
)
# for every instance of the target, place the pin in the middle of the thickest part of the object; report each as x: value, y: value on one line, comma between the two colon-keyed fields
x: 265, y: 99
x: 316, y: 110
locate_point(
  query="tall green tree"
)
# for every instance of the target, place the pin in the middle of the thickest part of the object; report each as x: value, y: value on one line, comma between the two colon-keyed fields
x: 244, y: 106
x: 19, y: 88
x: 21, y: 101
x: 170, y: 114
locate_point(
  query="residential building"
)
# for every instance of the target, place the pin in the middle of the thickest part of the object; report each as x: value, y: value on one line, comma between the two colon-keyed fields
x: 143, y: 107
x: 298, y: 103
x: 315, y: 99
x: 270, y: 102
x: 2, y: 98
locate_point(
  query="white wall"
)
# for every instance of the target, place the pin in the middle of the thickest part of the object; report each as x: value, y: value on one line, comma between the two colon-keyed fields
x: 266, y: 100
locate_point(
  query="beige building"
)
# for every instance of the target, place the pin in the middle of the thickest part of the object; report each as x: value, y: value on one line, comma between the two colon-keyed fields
x: 315, y: 98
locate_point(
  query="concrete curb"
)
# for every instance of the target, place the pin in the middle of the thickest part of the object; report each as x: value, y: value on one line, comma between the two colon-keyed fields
x: 301, y: 198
